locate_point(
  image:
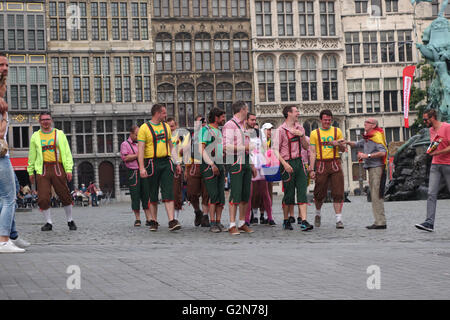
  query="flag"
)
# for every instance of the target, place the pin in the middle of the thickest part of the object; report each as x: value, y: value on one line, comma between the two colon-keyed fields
x: 408, y: 74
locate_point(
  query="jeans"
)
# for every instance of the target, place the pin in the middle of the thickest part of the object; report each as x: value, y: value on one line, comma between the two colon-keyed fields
x: 7, y: 196
x: 437, y: 171
x: 13, y: 235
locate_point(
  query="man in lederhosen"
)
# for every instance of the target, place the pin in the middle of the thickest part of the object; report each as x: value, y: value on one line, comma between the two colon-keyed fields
x: 51, y: 158
x: 177, y: 178
x: 156, y: 165
x: 129, y: 155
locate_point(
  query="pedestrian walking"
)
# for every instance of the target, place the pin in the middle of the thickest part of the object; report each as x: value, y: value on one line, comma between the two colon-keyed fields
x: 374, y: 155
x: 50, y: 157
x: 440, y: 165
x: 156, y: 165
x: 326, y: 166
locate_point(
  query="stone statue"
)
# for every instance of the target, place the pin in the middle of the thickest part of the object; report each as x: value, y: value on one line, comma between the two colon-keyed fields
x: 436, y: 50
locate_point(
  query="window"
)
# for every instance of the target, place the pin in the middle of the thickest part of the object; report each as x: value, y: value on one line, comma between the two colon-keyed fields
x: 352, y: 47
x: 81, y: 87
x: 122, y: 79
x: 436, y: 8
x: 329, y: 78
x: 35, y: 30
x: 65, y: 126
x: 361, y: 6
x: 309, y: 78
x: 140, y: 22
x: 57, y: 13
x: 181, y: 8
x: 185, y: 98
x: 60, y: 73
x: 370, y: 47
x: 123, y: 130
x: 79, y: 27
x: 203, y: 52
x: 390, y: 95
x: 287, y: 78
x: 166, y: 96
x: 119, y: 21
x: 244, y: 93
x: 224, y: 96
x: 222, y: 51
x: 241, y: 52
x: 219, y: 8
x: 310, y: 126
x: 404, y: 46
x: 205, y: 100
x: 238, y: 8
x: 263, y: 18
x: 355, y: 96
x: 306, y: 17
x: 200, y: 8
x: 2, y: 33
x: 28, y: 87
x: 163, y: 52
x: 392, y: 134
x: 387, y: 45
x: 376, y: 8
x: 327, y: 18
x: 104, y: 136
x: 142, y: 78
x: 99, y: 23
x: 84, y: 134
x: 183, y: 55
x: 266, y: 80
x: 20, y: 137
x: 285, y: 21
x: 391, y: 5
x: 372, y: 95
x: 102, y: 84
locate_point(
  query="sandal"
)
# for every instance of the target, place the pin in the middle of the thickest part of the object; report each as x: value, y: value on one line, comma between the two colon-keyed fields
x: 137, y: 223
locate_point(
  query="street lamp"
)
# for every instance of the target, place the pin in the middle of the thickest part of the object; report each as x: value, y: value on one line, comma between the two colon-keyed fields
x: 360, y: 168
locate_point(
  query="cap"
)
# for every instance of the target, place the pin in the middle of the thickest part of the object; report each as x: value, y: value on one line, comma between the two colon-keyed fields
x: 267, y: 125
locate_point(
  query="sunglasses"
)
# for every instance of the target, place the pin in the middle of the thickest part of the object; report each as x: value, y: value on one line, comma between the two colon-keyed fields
x: 425, y: 119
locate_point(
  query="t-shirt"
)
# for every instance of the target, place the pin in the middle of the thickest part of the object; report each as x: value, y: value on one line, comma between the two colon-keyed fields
x: 210, y: 135
x: 444, y: 132
x: 47, y: 140
x: 371, y: 147
x: 325, y: 136
x: 144, y: 135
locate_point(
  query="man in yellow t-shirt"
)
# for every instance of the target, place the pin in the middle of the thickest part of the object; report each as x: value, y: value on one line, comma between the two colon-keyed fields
x: 156, y: 167
x: 326, y: 167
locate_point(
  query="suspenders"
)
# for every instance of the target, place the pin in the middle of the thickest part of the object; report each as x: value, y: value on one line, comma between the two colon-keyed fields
x: 155, y: 141
x: 291, y: 141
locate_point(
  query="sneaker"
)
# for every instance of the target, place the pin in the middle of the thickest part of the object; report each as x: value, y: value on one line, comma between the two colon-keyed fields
x: 221, y: 227
x: 215, y: 228
x: 10, y: 247
x: 174, y: 225
x: 254, y: 221
x: 198, y: 217
x: 147, y: 223
x: 305, y: 226
x: 19, y: 242
x: 272, y: 223
x: 287, y: 225
x: 374, y: 226
x: 205, y: 221
x: 339, y: 225
x: 291, y: 220
x: 233, y: 231
x: 47, y: 227
x: 153, y: 225
x: 262, y: 220
x: 266, y: 221
x: 72, y: 225
x: 299, y: 220
x: 317, y: 221
x: 246, y: 228
x: 425, y: 226
x: 137, y: 223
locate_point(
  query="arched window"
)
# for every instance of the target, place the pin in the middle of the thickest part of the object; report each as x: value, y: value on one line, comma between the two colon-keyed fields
x: 222, y: 51
x: 203, y: 52
x: 266, y: 80
x: 183, y: 55
x: 163, y: 52
x: 244, y: 93
x: 205, y: 100
x: 85, y: 173
x: 309, y: 78
x: 241, y: 51
x: 166, y: 93
x: 287, y: 78
x: 224, y: 96
x: 329, y: 78
x: 185, y: 98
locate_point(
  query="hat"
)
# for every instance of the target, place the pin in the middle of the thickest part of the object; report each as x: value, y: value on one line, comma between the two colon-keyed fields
x: 267, y: 125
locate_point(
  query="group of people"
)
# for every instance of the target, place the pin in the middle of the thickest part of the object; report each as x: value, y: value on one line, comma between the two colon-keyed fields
x: 89, y: 195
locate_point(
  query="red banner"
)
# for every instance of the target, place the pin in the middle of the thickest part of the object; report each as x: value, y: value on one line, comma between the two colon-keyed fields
x: 408, y: 75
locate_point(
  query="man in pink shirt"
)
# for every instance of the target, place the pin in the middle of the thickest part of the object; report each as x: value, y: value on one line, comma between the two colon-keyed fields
x: 440, y: 165
x: 291, y: 140
x: 237, y: 148
x: 128, y: 153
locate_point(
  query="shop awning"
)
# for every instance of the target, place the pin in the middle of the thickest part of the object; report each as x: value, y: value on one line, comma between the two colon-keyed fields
x: 19, y: 163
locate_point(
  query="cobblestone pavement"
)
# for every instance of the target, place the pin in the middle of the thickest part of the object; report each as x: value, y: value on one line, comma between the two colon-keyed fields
x: 119, y: 261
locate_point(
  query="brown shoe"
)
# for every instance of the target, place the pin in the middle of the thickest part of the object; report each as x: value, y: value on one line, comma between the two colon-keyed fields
x: 174, y: 225
x: 233, y: 231
x: 246, y: 228
x: 153, y: 225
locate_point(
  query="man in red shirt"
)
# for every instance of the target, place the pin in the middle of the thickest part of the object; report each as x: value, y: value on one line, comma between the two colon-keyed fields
x: 440, y: 166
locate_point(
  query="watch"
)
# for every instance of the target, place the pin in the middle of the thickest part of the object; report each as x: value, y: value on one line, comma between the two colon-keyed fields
x: 369, y: 156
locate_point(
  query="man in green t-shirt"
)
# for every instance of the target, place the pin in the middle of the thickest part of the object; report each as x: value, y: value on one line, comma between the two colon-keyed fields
x: 212, y: 168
